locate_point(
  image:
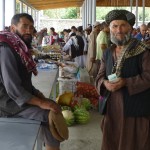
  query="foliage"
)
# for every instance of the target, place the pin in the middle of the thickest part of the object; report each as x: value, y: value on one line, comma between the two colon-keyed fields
x: 102, y: 11
x: 147, y: 14
x: 65, y: 13
x: 71, y: 13
x: 74, y: 12
x: 54, y: 13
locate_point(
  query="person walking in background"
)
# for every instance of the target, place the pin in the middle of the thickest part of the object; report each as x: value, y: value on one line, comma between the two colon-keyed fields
x: 124, y: 73
x: 73, y: 30
x: 91, y: 64
x: 54, y: 37
x: 102, y: 41
x: 66, y: 35
x: 40, y: 35
x: 75, y: 48
x: 147, y: 38
x: 80, y: 32
x: 142, y: 34
x: 18, y: 97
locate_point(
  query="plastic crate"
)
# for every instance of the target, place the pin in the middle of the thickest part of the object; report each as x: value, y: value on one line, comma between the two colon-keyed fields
x: 67, y: 85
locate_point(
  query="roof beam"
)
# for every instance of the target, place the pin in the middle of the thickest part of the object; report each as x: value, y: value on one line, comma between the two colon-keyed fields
x: 53, y: 4
x: 65, y: 5
x: 120, y: 3
x: 33, y: 2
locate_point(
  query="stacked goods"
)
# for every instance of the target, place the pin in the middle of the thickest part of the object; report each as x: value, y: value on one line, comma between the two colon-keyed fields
x: 67, y: 76
x: 82, y: 116
x: 74, y: 111
x: 85, y: 103
x: 65, y: 99
x: 68, y: 69
x: 88, y: 91
x: 67, y: 84
x: 47, y: 52
x: 51, y: 56
x: 49, y: 48
x: 69, y: 117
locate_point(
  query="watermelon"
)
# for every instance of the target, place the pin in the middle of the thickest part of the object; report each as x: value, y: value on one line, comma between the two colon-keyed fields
x: 69, y: 117
x: 82, y: 116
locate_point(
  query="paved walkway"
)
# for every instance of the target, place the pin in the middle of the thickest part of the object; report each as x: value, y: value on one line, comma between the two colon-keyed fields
x: 81, y: 137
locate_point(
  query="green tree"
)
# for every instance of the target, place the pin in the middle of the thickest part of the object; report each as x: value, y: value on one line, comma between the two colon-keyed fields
x: 17, y: 7
x: 54, y: 13
x: 66, y: 13
x: 71, y: 13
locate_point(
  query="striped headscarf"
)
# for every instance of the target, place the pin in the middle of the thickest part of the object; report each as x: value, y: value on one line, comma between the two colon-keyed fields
x: 19, y: 46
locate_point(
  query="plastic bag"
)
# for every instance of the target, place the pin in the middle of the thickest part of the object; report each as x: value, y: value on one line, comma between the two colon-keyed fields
x: 88, y: 91
x: 83, y: 75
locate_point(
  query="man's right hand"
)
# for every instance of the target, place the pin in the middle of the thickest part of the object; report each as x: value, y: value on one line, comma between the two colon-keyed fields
x: 45, y: 104
x: 114, y: 86
x: 50, y: 105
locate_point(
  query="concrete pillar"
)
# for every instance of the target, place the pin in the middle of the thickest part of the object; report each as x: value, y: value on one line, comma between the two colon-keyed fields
x: 2, y: 14
x: 10, y: 7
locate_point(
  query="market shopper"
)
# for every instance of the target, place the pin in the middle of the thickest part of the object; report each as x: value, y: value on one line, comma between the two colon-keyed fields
x: 18, y: 97
x: 126, y: 122
x: 54, y: 37
x: 102, y: 41
x: 75, y: 48
x: 91, y: 63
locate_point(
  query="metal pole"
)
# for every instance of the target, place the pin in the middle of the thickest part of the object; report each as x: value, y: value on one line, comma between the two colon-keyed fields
x: 90, y: 11
x: 131, y: 4
x: 32, y: 12
x: 143, y: 11
x: 27, y: 9
x: 85, y: 6
x: 83, y: 16
x: 10, y: 5
x: 21, y: 7
x: 2, y: 14
x: 94, y: 11
x: 137, y: 13
x: 38, y: 19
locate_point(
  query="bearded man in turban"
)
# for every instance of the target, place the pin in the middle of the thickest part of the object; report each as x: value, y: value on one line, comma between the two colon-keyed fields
x: 124, y: 74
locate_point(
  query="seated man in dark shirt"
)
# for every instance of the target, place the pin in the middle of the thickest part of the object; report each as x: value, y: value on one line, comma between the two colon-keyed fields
x: 18, y: 97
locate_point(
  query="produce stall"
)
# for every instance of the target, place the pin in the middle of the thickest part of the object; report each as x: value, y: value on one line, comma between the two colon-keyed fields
x: 71, y: 85
x: 47, y: 58
x: 76, y: 98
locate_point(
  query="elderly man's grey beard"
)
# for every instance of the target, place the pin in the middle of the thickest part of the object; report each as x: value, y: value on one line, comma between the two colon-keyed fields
x: 120, y: 42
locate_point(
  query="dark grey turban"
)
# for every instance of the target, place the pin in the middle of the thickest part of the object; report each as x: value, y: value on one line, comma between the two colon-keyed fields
x: 120, y: 15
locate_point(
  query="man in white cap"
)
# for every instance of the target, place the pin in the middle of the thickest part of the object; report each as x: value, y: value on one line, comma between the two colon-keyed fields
x: 91, y: 64
x: 124, y: 75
